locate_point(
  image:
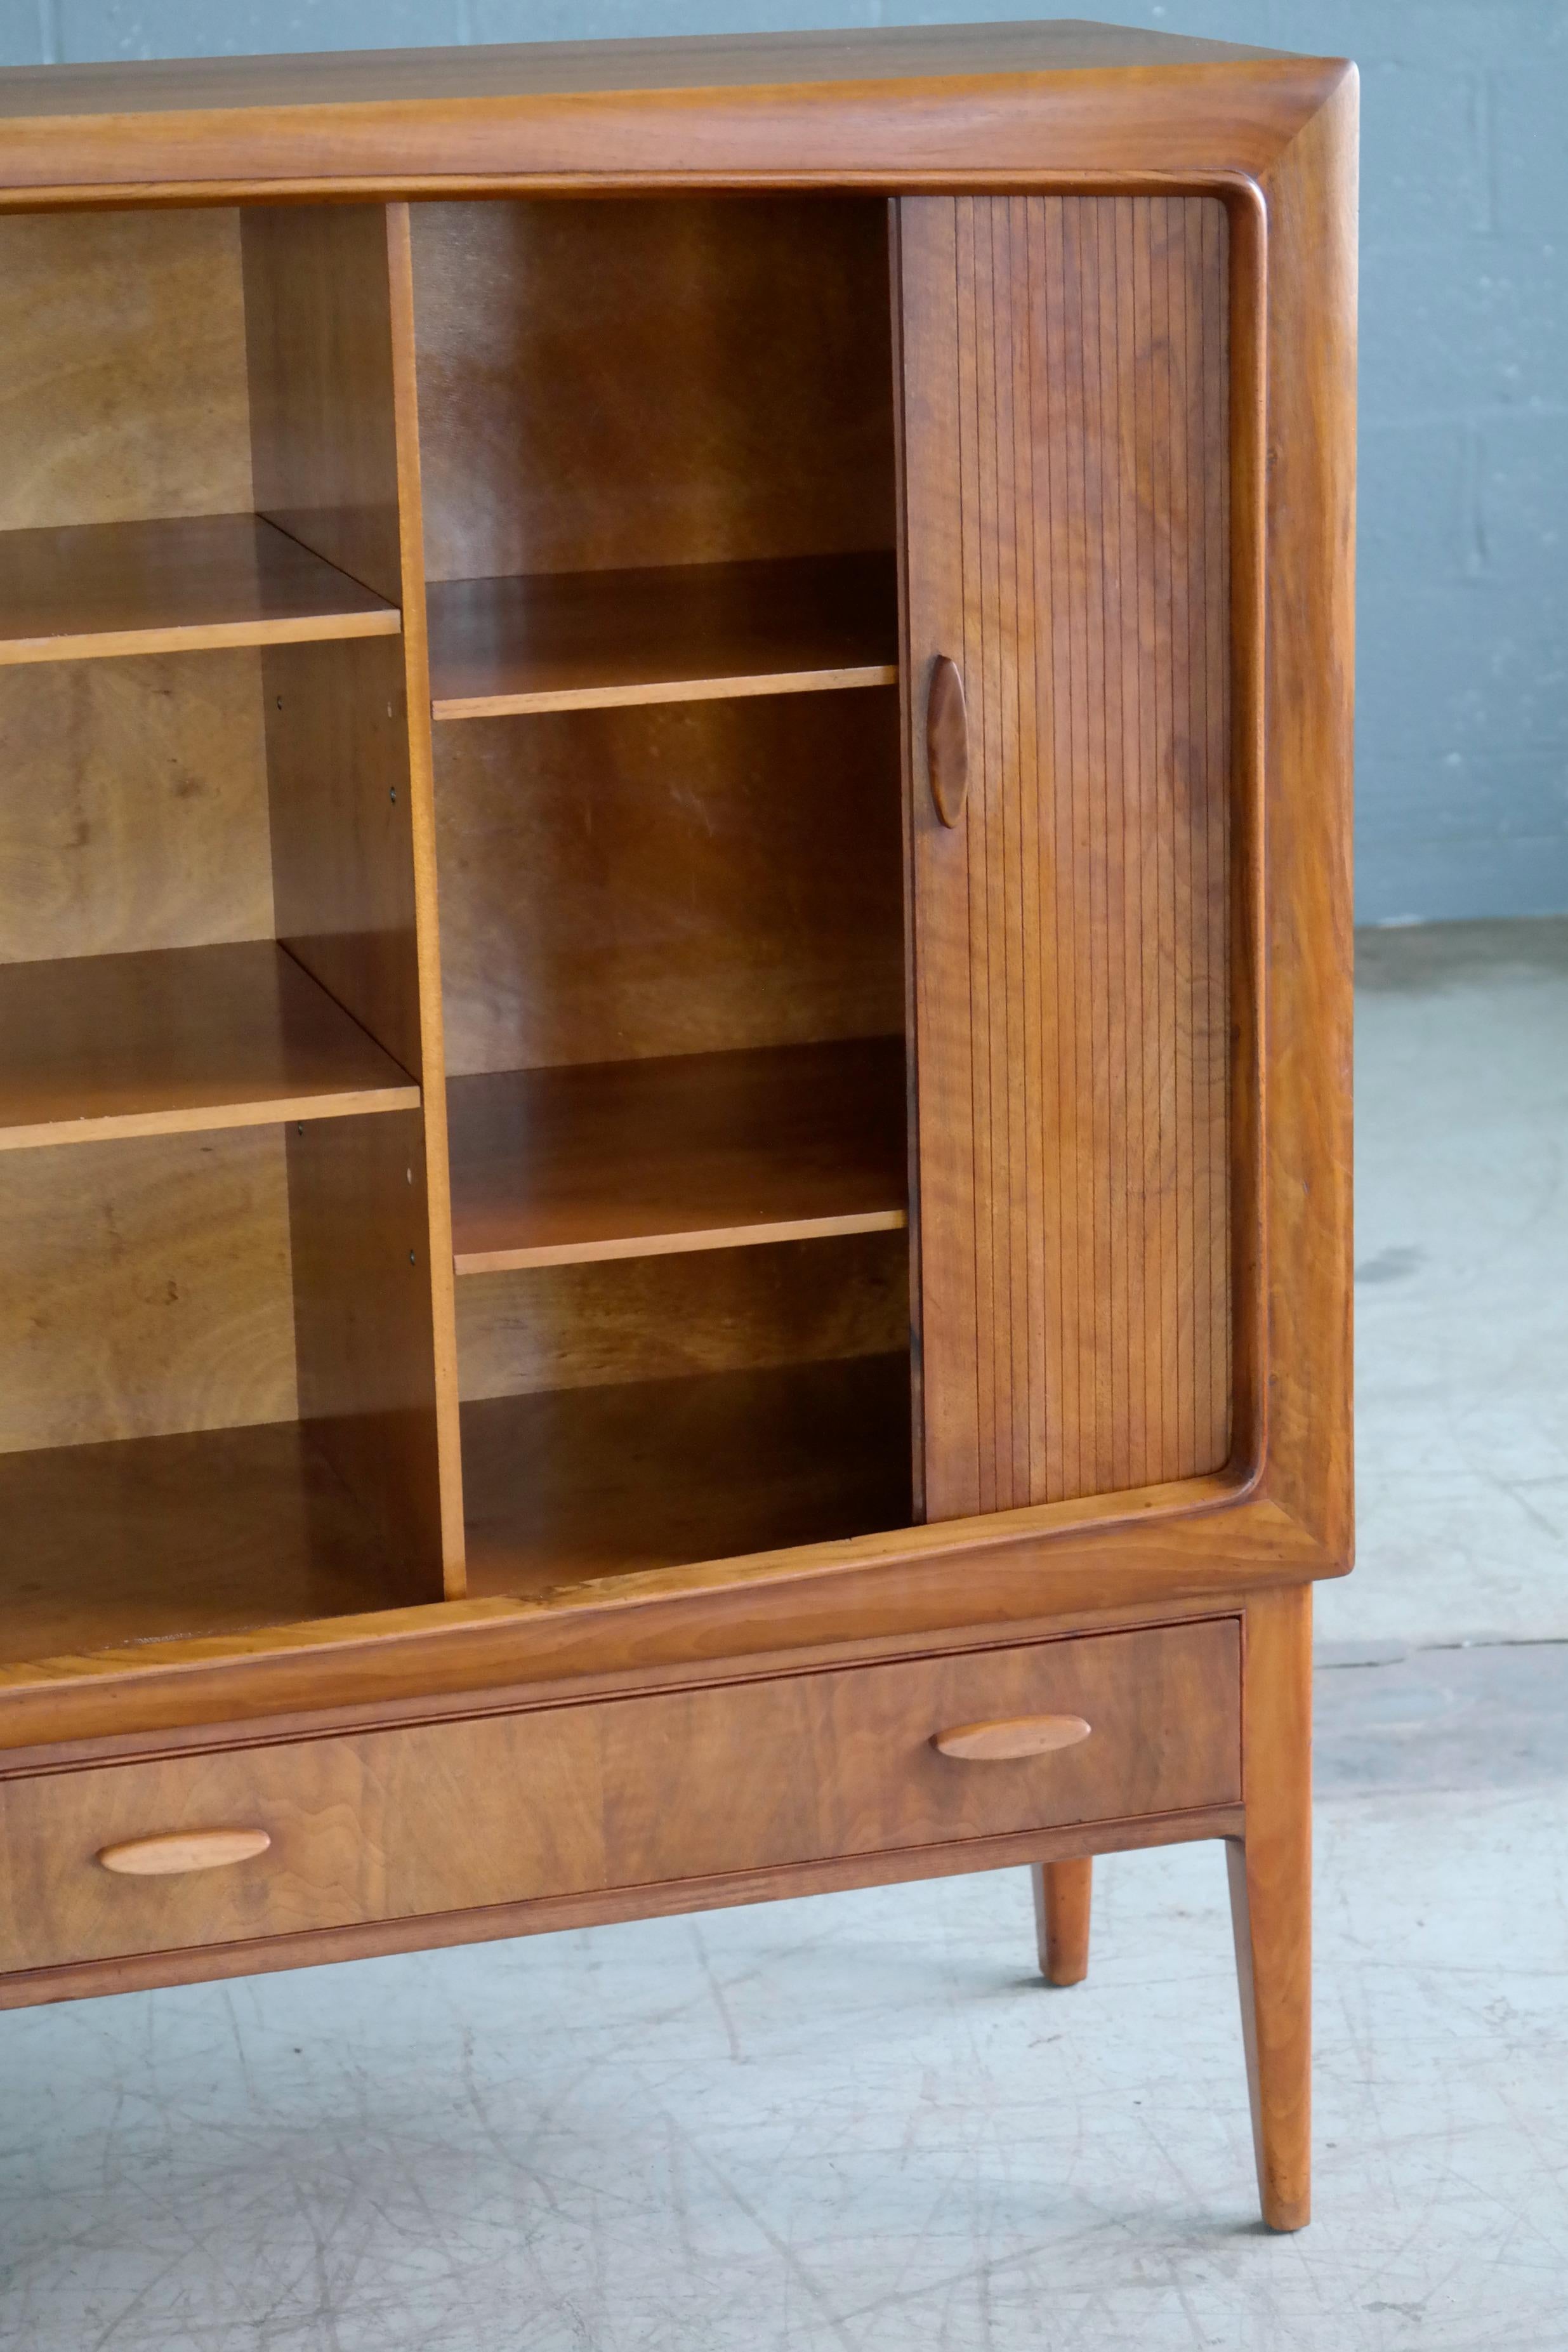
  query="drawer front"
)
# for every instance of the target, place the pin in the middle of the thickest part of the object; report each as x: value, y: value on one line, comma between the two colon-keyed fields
x: 580, y: 1799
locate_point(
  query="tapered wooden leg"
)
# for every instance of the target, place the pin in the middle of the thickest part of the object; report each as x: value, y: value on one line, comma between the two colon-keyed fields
x: 1270, y: 1898
x: 1061, y: 1892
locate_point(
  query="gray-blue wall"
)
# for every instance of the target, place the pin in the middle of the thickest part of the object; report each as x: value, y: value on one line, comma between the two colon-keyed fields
x: 1463, y: 737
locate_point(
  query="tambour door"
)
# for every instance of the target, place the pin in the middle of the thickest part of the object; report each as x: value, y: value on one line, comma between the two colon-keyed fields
x: 1065, y: 435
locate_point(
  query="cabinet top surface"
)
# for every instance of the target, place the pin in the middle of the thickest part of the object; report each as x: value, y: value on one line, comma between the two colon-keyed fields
x: 567, y: 70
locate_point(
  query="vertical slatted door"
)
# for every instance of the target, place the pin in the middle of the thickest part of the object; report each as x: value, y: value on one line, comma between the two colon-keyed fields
x: 1063, y: 365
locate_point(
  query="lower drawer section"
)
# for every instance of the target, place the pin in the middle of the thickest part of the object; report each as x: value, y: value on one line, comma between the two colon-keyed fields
x: 583, y: 1798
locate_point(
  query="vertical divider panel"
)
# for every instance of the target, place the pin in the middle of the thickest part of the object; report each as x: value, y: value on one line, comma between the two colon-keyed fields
x: 328, y: 318
x: 422, y: 811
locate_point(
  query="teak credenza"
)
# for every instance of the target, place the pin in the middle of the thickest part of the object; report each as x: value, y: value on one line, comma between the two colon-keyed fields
x: 675, y: 1174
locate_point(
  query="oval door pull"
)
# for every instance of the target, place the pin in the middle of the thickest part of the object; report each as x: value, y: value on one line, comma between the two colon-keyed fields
x: 182, y: 1850
x: 1023, y: 1735
x: 948, y: 740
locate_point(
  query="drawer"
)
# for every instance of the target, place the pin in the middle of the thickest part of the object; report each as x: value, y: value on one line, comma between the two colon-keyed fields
x: 581, y: 1798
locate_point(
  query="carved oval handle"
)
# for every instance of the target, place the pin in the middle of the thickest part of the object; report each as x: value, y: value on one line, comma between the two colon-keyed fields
x: 180, y: 1850
x: 1023, y: 1735
x: 947, y: 740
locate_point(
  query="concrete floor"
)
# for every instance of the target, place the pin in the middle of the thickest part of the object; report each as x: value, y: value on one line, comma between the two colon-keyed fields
x: 859, y: 2122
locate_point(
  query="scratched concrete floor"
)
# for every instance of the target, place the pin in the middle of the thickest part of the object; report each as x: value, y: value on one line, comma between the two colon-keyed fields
x: 858, y: 2123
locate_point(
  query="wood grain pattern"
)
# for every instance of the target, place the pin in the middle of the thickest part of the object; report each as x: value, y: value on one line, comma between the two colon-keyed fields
x: 153, y: 1539
x: 704, y: 1152
x: 393, y: 1823
x: 571, y: 1484
x: 344, y: 890
x: 1301, y: 497
x: 728, y: 61
x: 123, y: 368
x: 659, y: 382
x: 93, y: 590
x: 975, y: 100
x: 1065, y: 427
x: 360, y: 1247
x: 617, y: 884
x: 322, y: 415
x: 668, y: 632
x: 144, y: 1287
x: 135, y: 810
x: 718, y: 1890
x: 674, y: 1316
x: 1271, y: 1899
x: 326, y: 316
x: 1179, y: 1553
x: 324, y: 427
x: 98, y: 1048
x: 1062, y: 1896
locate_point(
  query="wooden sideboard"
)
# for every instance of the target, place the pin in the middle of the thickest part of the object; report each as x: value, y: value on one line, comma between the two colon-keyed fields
x: 675, y: 1026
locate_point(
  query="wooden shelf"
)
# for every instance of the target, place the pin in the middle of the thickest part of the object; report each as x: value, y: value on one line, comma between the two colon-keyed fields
x: 687, y: 633
x: 178, y: 1040
x: 702, y: 1152
x: 153, y: 1537
x: 97, y: 588
x: 580, y: 1483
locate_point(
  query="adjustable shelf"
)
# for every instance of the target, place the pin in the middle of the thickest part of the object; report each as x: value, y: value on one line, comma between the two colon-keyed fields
x: 696, y: 1152
x: 206, y: 1532
x: 179, y: 1039
x: 572, y: 1483
x: 91, y: 590
x: 668, y: 632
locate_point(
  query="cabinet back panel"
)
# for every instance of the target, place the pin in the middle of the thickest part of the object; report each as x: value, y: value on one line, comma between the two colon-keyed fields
x: 1067, y: 448
x: 133, y: 806
x: 144, y: 1289
x: 123, y: 368
x: 670, y: 1318
x: 676, y: 880
x: 683, y: 380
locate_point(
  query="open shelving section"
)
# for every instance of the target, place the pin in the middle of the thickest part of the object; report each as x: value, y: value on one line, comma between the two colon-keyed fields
x: 573, y: 1484
x: 179, y: 1039
x: 529, y: 561
x: 145, y: 1539
x: 220, y: 1288
x: 560, y: 1167
x: 665, y: 632
x: 192, y: 583
x: 656, y: 449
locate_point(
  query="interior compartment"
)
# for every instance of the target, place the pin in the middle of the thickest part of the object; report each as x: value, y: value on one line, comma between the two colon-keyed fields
x: 673, y: 1000
x: 656, y: 443
x: 633, y: 1414
x: 215, y: 1410
x: 217, y: 1362
x: 146, y: 430
x: 690, y: 878
x: 605, y: 385
x: 657, y: 453
x: 232, y: 774
x: 206, y: 890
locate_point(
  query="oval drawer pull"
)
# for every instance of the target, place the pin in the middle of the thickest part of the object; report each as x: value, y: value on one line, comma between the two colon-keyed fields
x: 1022, y: 1735
x: 948, y: 740
x: 180, y: 1850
